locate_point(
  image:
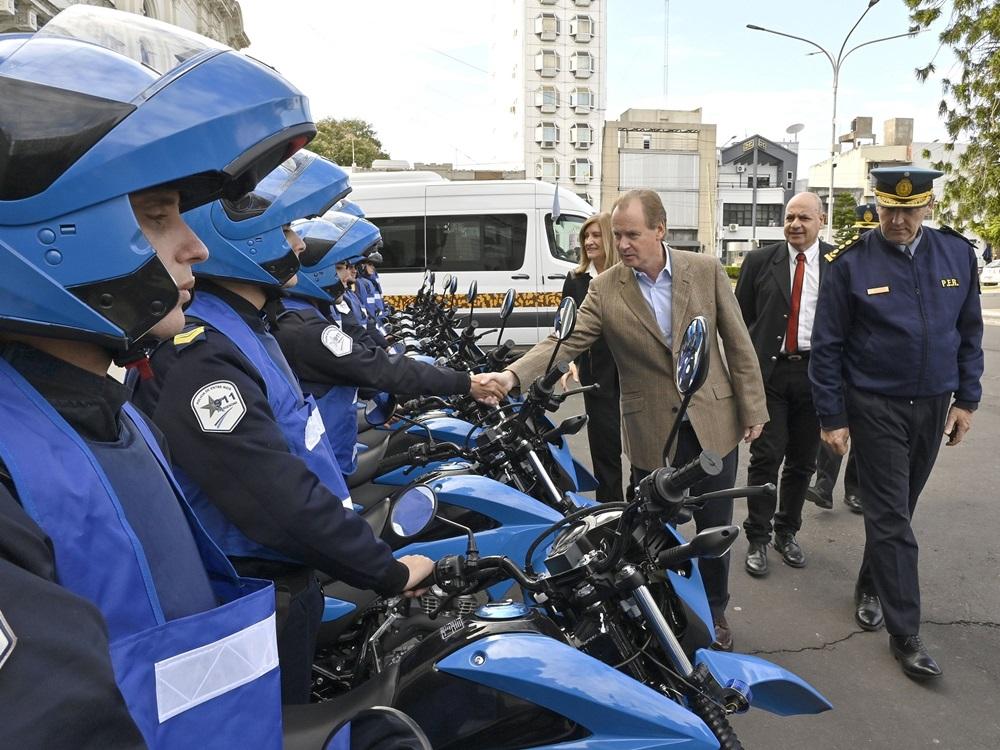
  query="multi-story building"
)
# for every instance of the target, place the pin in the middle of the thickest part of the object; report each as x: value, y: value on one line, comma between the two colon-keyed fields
x: 756, y: 179
x: 550, y: 63
x: 221, y: 20
x: 671, y: 152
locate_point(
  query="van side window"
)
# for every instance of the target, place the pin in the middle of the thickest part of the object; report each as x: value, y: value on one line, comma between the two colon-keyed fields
x: 481, y: 242
x: 402, y: 242
x: 564, y: 236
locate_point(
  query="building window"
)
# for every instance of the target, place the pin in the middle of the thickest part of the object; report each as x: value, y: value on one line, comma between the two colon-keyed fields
x: 547, y: 135
x: 547, y: 63
x: 581, y: 171
x: 547, y: 99
x: 547, y: 168
x: 547, y: 26
x: 581, y: 64
x: 581, y: 135
x: 768, y: 215
x: 647, y: 141
x: 763, y: 181
x: 581, y: 28
x: 582, y: 99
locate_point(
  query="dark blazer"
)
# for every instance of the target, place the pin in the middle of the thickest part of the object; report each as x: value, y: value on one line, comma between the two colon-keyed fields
x: 764, y: 292
x: 596, y: 364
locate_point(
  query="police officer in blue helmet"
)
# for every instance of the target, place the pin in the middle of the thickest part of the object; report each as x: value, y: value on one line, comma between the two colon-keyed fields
x: 896, y: 363
x: 334, y: 357
x: 249, y: 448
x: 118, y: 611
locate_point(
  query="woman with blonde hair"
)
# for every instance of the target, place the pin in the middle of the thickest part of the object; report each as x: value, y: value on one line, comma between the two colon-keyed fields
x: 597, y: 254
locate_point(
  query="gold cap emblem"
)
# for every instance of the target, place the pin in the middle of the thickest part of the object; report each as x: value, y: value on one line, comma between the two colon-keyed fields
x: 904, y: 188
x: 869, y: 216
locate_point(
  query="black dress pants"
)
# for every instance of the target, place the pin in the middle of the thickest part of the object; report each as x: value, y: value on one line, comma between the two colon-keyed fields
x: 896, y: 441
x: 604, y: 434
x: 828, y: 468
x: 791, y: 436
x: 714, y: 573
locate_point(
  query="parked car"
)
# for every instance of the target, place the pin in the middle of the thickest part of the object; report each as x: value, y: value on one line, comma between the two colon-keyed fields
x: 991, y: 274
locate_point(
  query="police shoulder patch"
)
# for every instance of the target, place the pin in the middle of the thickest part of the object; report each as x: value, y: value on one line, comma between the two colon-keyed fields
x: 843, y: 248
x: 954, y: 233
x: 190, y: 335
x: 7, y: 640
x: 338, y: 342
x: 218, y: 406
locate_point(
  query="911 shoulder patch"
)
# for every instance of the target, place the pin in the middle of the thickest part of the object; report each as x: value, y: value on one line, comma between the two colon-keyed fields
x: 189, y: 336
x: 7, y: 640
x: 843, y: 248
x: 218, y: 406
x: 338, y: 342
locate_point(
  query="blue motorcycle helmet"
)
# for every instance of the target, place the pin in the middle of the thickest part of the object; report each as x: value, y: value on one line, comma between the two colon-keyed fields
x: 100, y: 105
x: 348, y: 207
x: 245, y: 238
x: 356, y: 236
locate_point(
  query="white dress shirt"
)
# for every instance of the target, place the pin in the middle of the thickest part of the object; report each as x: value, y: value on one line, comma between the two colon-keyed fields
x: 810, y: 292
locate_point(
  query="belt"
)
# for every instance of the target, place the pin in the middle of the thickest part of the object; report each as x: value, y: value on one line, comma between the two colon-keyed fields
x: 797, y: 357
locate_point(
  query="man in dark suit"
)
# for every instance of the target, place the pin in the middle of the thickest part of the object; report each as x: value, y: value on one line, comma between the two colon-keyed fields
x: 777, y: 293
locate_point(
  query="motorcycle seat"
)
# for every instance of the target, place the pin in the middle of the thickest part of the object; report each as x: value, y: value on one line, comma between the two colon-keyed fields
x: 368, y: 460
x: 308, y: 727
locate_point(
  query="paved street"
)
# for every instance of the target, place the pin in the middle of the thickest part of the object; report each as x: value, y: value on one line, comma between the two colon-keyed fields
x: 803, y: 619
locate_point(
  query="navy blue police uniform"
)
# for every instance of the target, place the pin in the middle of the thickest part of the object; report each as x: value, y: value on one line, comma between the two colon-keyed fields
x: 264, y: 503
x: 898, y: 335
x: 326, y: 359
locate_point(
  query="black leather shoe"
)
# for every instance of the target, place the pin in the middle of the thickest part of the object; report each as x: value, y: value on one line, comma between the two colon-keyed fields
x: 854, y: 503
x: 912, y: 656
x: 723, y: 635
x: 868, y: 611
x: 790, y: 550
x: 823, y: 501
x: 756, y: 562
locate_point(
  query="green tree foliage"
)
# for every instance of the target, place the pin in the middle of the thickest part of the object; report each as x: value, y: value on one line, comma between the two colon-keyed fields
x: 970, y: 109
x: 843, y: 217
x: 334, y: 139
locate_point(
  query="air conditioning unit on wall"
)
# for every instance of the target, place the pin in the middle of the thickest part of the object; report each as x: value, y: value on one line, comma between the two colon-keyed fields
x: 741, y: 167
x: 733, y: 227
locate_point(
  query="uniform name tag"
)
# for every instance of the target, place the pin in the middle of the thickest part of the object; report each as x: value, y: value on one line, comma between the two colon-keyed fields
x: 949, y: 282
x: 338, y: 342
x: 878, y: 290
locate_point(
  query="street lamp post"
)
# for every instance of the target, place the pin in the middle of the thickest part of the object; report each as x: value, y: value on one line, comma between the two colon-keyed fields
x: 836, y: 64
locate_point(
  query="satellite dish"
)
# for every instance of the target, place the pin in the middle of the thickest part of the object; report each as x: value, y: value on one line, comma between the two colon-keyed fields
x: 795, y: 129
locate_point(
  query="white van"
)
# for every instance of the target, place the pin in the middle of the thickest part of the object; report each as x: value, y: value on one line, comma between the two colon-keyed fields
x: 498, y: 232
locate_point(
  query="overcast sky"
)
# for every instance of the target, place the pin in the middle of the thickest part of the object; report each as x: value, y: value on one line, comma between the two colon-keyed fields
x: 420, y: 71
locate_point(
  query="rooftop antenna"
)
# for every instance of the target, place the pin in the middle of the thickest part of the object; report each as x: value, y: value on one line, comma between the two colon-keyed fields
x: 794, y: 130
x: 666, y: 51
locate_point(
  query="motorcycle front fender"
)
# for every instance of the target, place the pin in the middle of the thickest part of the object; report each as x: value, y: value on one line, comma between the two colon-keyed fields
x: 773, y: 688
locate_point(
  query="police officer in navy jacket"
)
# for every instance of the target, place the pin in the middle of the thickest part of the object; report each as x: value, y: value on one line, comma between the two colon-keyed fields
x: 896, y: 363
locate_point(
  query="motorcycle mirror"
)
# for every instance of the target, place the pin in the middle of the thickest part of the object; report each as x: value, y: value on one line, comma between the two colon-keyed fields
x: 573, y: 425
x: 430, y: 281
x: 714, y: 542
x: 473, y: 292
x: 566, y: 318
x: 692, y: 360
x: 412, y: 511
x: 446, y: 283
x: 380, y: 409
x: 508, y: 304
x: 427, y: 278
x: 454, y: 285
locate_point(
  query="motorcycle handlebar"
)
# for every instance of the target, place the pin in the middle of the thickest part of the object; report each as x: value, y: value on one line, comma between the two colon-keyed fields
x: 548, y: 381
x: 667, y: 482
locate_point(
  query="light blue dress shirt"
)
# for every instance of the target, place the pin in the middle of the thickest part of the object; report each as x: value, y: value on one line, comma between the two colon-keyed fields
x: 659, y: 297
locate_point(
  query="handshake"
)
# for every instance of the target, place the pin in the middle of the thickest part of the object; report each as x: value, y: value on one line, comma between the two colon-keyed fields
x: 489, y: 387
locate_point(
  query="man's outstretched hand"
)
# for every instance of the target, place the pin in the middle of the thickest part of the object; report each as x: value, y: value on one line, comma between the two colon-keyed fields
x: 486, y: 390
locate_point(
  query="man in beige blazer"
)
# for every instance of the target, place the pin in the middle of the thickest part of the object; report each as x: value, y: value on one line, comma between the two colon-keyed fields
x: 642, y: 306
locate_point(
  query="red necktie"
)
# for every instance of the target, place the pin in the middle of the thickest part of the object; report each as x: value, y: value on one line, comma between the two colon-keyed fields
x: 792, y: 334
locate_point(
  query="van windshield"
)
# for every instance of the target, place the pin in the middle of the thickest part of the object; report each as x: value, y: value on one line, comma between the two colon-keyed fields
x: 564, y: 236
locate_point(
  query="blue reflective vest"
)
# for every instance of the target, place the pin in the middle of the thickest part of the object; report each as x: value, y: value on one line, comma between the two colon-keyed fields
x: 337, y: 405
x: 208, y: 680
x: 298, y: 418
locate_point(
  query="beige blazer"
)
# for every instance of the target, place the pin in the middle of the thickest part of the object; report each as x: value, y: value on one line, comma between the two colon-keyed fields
x: 733, y: 395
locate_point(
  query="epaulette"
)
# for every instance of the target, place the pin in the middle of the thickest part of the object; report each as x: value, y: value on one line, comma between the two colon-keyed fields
x: 190, y: 335
x: 948, y: 230
x: 843, y: 248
